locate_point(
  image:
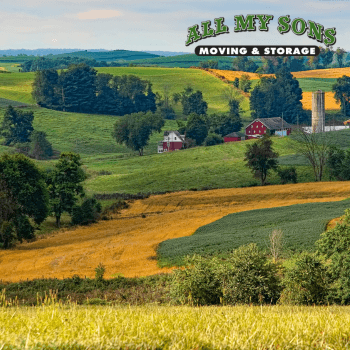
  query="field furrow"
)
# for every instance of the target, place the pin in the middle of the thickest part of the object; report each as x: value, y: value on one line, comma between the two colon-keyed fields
x: 127, y: 244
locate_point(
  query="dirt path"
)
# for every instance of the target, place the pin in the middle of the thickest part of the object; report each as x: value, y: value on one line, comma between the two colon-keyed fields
x: 127, y: 244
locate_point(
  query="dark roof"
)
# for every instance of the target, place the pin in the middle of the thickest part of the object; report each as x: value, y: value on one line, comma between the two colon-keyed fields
x: 233, y: 134
x: 274, y: 123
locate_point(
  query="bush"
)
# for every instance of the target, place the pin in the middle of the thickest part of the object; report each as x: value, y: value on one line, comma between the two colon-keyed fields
x: 334, y: 245
x: 250, y: 277
x: 246, y: 277
x: 87, y: 213
x: 40, y: 147
x: 306, y: 282
x: 213, y: 139
x: 198, y: 283
x: 288, y: 175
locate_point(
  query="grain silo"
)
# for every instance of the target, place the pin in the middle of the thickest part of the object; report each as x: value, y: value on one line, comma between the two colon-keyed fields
x: 318, y: 111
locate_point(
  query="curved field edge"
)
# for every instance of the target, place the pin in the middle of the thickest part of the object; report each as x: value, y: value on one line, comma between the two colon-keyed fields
x: 301, y: 225
x: 72, y: 327
x: 127, y: 244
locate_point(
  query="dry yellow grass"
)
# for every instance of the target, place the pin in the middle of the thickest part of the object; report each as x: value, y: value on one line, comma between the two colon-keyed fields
x: 316, y: 73
x: 2, y: 68
x: 127, y: 244
x: 330, y: 102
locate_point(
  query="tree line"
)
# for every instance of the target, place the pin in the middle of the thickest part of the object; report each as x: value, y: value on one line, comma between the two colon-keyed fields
x: 41, y: 63
x: 81, y: 89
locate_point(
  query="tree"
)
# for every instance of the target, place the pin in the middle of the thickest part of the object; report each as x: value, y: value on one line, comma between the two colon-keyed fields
x: 315, y: 148
x: 87, y: 213
x: 192, y: 102
x: 338, y: 163
x: 23, y: 198
x: 16, y: 126
x: 40, y: 147
x: 196, y: 128
x: 166, y: 110
x: 65, y: 184
x: 245, y: 83
x: 213, y: 139
x: 261, y: 158
x: 134, y: 130
x: 242, y: 63
x: 342, y: 94
x: 274, y: 96
x: 340, y: 54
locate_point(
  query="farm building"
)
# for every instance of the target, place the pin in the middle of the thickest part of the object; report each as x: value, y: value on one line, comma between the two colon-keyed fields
x: 276, y: 126
x: 172, y: 141
x: 234, y: 136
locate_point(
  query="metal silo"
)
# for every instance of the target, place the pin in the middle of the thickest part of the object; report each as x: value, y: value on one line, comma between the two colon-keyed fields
x: 318, y: 111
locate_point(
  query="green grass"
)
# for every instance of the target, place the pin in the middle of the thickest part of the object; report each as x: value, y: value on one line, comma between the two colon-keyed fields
x: 301, y: 224
x: 313, y: 84
x: 17, y: 87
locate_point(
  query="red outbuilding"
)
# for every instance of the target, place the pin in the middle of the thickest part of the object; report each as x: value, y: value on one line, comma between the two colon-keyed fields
x: 172, y: 141
x: 259, y: 127
x: 234, y: 136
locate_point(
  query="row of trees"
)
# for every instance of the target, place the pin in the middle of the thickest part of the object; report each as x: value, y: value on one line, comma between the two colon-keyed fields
x: 81, y: 89
x: 41, y: 63
x: 28, y: 195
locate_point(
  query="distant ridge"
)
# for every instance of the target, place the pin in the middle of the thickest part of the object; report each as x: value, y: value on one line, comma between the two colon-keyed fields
x: 42, y: 52
x: 167, y: 53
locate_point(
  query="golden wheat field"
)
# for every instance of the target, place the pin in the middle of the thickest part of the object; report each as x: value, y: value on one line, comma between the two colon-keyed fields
x: 330, y: 102
x: 57, y: 326
x: 127, y: 244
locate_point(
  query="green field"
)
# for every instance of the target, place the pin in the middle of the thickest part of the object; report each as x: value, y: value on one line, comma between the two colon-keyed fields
x: 313, y: 84
x: 301, y: 224
x: 17, y: 87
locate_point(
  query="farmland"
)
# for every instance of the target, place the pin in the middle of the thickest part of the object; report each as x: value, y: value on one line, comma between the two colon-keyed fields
x: 159, y: 327
x: 144, y: 225
x: 301, y: 225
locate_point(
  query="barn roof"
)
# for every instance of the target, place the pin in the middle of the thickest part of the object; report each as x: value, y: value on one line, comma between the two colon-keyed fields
x: 233, y: 134
x: 274, y: 123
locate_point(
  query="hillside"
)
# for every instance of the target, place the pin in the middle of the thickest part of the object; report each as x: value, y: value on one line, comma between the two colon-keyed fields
x: 184, y: 61
x: 143, y: 226
x: 124, y: 55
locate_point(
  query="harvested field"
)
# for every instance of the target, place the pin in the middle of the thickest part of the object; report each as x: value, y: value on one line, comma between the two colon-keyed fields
x: 330, y: 102
x: 316, y: 73
x: 127, y: 244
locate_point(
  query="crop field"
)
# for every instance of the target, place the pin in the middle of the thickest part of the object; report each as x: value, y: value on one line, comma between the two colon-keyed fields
x: 330, y: 102
x: 17, y: 87
x: 53, y: 326
x: 127, y: 244
x: 301, y: 225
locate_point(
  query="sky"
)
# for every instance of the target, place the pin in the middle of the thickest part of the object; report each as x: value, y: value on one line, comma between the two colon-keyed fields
x: 156, y: 25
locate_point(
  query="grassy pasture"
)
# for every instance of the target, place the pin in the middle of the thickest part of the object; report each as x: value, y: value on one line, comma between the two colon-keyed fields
x: 301, y: 224
x: 17, y: 87
x: 314, y: 84
x: 54, y: 326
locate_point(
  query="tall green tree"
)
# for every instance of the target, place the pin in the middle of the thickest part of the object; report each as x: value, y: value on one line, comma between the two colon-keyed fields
x: 342, y: 94
x: 16, y: 126
x: 197, y: 128
x: 24, y: 196
x: 40, y: 147
x: 192, y: 102
x: 261, y: 158
x: 274, y: 96
x: 78, y: 89
x: 65, y: 184
x: 134, y: 130
x: 46, y: 91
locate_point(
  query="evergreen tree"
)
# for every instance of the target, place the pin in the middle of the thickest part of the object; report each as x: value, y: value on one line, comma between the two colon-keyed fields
x: 16, y: 126
x: 46, y: 90
x: 342, y: 94
x: 40, y: 147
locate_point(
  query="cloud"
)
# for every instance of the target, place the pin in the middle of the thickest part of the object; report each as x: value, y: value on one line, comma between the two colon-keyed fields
x: 98, y: 14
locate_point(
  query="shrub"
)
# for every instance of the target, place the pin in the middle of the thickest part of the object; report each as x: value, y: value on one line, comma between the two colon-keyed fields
x: 40, y: 147
x: 250, y: 277
x: 246, y: 277
x: 288, y: 175
x: 198, y: 283
x: 213, y: 139
x: 87, y: 213
x: 334, y: 245
x: 306, y: 282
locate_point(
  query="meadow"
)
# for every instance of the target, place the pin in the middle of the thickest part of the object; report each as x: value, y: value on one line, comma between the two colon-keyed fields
x: 301, y: 225
x: 54, y: 326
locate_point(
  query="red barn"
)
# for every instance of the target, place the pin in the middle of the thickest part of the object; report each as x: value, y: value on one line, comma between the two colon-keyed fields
x: 276, y: 126
x: 234, y: 136
x: 172, y: 141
